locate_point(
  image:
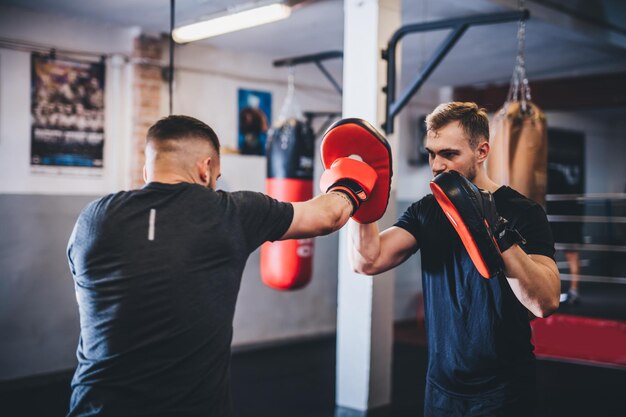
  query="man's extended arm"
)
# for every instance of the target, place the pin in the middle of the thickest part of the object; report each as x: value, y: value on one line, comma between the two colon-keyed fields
x: 347, y: 184
x: 322, y: 215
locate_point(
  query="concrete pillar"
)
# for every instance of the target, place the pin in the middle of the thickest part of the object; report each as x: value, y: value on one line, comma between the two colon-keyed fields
x: 365, y: 303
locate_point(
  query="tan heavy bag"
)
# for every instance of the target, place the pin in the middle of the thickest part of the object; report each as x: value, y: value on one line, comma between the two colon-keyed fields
x: 519, y: 150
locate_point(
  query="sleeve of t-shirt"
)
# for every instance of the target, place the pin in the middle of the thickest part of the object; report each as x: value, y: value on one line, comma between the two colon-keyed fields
x: 409, y: 221
x: 262, y: 217
x: 77, y: 238
x: 535, y: 229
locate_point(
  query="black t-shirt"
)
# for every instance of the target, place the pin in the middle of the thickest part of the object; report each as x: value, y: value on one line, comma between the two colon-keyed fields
x: 478, y: 332
x: 157, y: 272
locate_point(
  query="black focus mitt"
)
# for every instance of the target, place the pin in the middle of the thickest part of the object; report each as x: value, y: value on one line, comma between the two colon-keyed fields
x: 473, y: 215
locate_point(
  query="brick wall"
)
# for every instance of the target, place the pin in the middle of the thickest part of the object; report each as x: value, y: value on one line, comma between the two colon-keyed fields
x: 147, y: 83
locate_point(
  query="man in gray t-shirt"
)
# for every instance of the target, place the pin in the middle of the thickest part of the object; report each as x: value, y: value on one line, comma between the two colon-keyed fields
x: 157, y: 272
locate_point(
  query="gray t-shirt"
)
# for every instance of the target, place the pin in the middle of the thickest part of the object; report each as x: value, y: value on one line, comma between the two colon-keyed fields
x: 157, y: 272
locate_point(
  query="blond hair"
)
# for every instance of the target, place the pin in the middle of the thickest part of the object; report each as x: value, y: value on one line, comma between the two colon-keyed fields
x: 473, y: 120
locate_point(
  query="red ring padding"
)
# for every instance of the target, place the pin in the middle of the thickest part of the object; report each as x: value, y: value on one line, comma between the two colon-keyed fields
x: 578, y: 338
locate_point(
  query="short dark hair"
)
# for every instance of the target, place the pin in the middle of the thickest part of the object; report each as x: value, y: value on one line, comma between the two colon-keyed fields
x: 178, y: 127
x: 472, y: 119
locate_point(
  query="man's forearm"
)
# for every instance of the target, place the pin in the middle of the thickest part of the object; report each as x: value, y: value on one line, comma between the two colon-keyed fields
x: 337, y: 206
x: 363, y: 245
x: 535, y: 285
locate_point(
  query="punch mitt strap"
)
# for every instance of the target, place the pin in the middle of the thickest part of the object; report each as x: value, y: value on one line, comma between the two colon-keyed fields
x: 351, y: 177
x: 472, y: 214
x: 358, y: 139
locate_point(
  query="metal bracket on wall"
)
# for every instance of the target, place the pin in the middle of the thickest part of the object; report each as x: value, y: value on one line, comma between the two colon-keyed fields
x: 317, y: 60
x: 458, y: 26
x: 329, y: 115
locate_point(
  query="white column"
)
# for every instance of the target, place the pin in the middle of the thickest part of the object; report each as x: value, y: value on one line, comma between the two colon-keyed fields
x: 365, y: 303
x: 116, y: 146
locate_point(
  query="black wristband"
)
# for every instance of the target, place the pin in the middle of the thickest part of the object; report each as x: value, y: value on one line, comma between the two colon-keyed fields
x: 509, y: 237
x: 353, y: 186
x: 352, y: 189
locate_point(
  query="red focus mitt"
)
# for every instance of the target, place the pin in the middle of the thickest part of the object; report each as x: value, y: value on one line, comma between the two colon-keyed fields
x: 357, y: 138
x: 472, y: 212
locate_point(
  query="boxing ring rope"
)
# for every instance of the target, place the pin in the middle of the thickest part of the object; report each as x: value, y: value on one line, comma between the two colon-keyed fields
x: 586, y: 197
x: 594, y: 278
x: 593, y: 247
x: 585, y: 219
x: 589, y: 247
x: 573, y: 335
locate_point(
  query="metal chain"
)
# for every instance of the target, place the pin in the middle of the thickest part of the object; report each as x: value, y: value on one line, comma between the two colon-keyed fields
x: 520, y: 88
x: 291, y: 81
x: 290, y: 108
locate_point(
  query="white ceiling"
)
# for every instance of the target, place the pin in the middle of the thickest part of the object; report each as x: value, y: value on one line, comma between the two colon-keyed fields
x: 564, y: 37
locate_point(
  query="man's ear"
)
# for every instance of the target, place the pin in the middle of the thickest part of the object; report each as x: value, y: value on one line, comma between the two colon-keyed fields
x: 203, y: 170
x: 482, y: 151
x: 145, y: 174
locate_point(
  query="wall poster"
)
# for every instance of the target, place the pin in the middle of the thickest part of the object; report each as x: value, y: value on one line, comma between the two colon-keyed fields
x: 67, y: 112
x: 255, y: 115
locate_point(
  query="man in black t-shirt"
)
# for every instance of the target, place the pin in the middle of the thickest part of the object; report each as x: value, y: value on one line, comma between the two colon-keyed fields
x: 480, y: 358
x: 157, y: 272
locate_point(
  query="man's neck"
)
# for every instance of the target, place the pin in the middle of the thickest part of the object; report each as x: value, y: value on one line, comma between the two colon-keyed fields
x: 169, y: 177
x: 483, y: 181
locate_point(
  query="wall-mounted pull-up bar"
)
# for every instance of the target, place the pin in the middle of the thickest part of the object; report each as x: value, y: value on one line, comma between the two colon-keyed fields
x: 458, y: 26
x: 315, y: 59
x: 329, y: 115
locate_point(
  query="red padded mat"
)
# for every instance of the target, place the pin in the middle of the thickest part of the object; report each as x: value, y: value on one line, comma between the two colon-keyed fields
x: 569, y: 337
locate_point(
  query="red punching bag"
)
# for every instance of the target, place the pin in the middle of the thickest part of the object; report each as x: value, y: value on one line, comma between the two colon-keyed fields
x: 287, y: 265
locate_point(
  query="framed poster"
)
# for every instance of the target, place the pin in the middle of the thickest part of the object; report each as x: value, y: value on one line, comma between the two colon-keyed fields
x: 255, y: 115
x: 67, y: 112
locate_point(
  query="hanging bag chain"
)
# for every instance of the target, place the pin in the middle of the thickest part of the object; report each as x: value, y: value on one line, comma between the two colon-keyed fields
x: 519, y: 89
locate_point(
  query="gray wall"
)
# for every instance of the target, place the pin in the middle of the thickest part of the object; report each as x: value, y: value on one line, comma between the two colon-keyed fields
x: 268, y: 316
x: 38, y: 313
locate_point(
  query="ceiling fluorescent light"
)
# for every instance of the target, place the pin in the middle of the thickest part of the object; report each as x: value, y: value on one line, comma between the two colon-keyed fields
x: 237, y: 20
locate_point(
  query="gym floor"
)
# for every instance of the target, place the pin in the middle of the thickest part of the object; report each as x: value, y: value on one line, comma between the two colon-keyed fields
x: 298, y: 380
